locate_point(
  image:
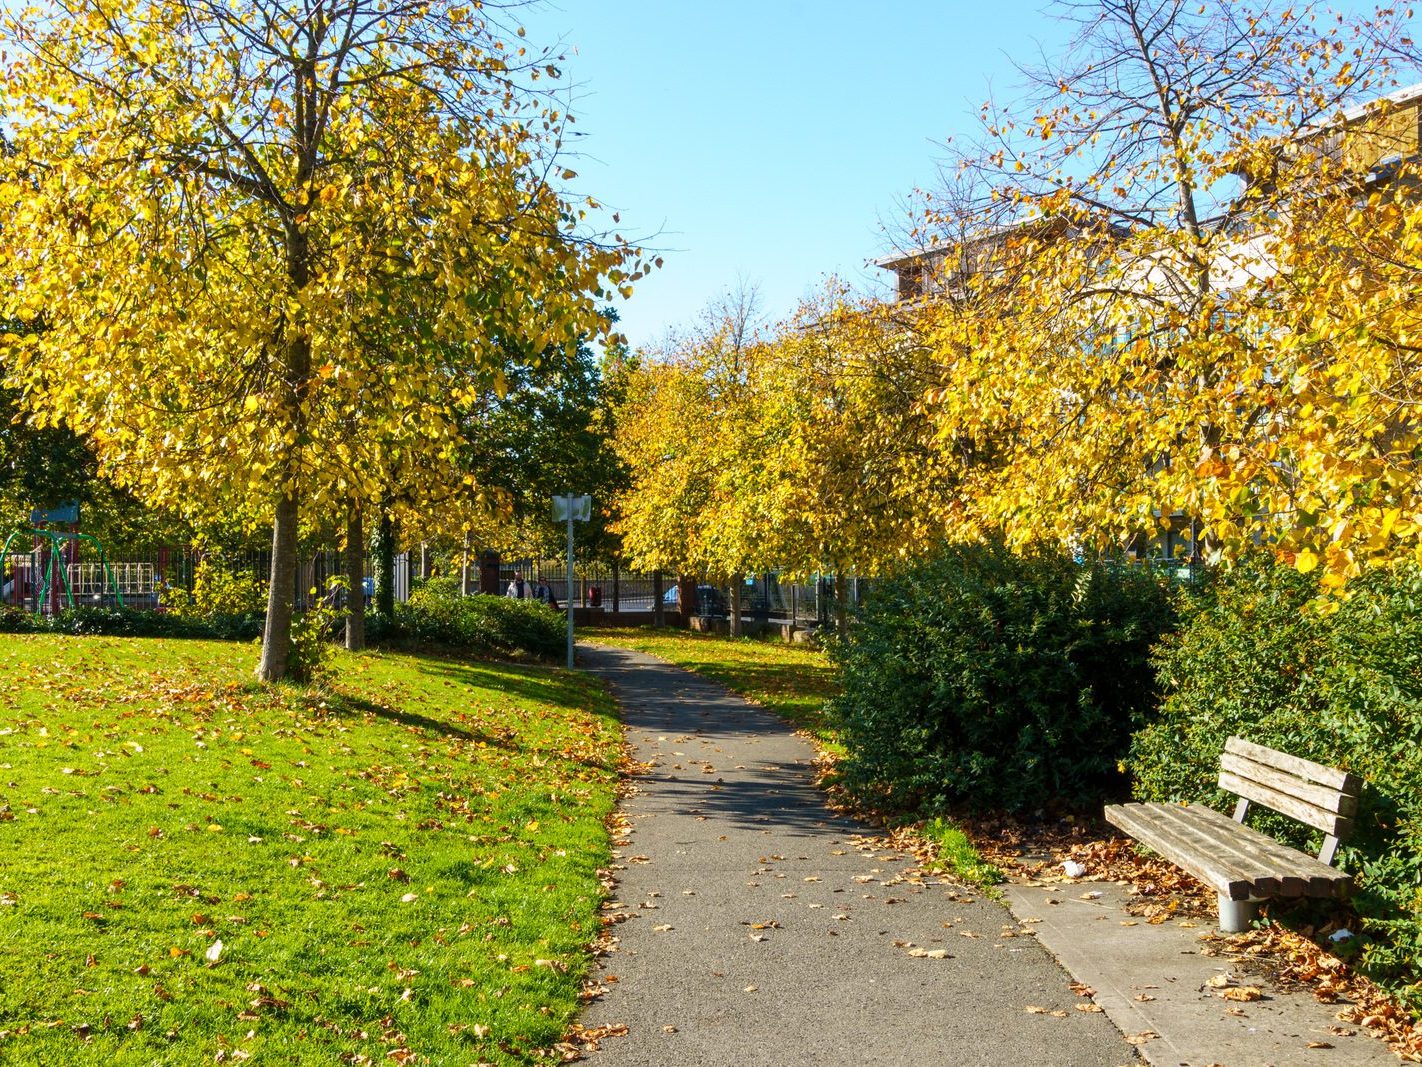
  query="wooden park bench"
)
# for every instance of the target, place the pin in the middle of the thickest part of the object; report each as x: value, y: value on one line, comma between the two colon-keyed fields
x: 1242, y: 865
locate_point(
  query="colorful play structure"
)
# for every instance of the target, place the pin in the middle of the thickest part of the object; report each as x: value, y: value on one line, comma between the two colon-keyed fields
x: 47, y: 572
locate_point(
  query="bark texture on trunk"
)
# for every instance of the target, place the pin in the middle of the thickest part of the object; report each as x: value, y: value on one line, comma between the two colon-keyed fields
x: 738, y: 582
x: 276, y: 633
x: 658, y: 612
x: 355, y: 583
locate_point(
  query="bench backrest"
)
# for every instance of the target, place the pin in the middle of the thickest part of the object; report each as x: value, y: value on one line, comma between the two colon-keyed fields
x: 1318, y: 796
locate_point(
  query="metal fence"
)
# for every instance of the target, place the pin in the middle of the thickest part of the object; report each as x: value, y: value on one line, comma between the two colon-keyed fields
x: 44, y: 578
x: 618, y: 592
x: 41, y: 578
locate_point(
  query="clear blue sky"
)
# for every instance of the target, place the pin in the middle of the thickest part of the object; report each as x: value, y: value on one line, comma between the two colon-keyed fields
x: 777, y: 140
x: 772, y: 140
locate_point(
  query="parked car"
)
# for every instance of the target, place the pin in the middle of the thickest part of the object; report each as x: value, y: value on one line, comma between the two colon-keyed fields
x: 709, y: 600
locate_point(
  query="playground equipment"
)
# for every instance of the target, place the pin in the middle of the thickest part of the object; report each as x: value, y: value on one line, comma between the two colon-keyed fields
x: 44, y: 577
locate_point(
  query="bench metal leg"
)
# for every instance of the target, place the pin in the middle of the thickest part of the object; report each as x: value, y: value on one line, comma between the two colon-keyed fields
x: 1236, y: 915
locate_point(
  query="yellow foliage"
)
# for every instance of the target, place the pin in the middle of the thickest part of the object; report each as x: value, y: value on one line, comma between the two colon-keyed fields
x: 801, y: 451
x: 240, y: 302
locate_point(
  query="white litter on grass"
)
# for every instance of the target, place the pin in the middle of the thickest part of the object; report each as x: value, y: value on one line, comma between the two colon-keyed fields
x: 214, y: 951
x: 1072, y: 869
x: 1340, y: 935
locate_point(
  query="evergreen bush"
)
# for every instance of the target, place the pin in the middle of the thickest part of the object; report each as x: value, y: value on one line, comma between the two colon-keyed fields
x: 437, y: 613
x: 988, y: 679
x: 1339, y: 683
x: 128, y: 622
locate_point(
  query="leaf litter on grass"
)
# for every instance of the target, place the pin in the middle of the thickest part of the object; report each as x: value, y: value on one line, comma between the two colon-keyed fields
x: 223, y: 838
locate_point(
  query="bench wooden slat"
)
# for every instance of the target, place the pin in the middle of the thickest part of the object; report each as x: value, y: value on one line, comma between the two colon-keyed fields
x: 1237, y: 853
x: 1320, y: 880
x: 1327, y: 821
x: 1197, y: 838
x: 1242, y: 864
x: 1332, y: 777
x: 1214, y: 872
x: 1268, y: 875
x: 1325, y: 798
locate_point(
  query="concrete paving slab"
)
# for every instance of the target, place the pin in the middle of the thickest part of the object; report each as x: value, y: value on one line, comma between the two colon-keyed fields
x: 1153, y: 979
x: 766, y: 930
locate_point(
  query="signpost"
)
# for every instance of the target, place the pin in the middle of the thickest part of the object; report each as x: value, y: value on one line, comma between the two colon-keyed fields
x: 571, y: 508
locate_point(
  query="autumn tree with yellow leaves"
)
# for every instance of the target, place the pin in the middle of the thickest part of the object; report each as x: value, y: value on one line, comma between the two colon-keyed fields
x: 802, y: 450
x: 276, y: 244
x: 681, y: 431
x: 1180, y: 292
x: 1190, y: 299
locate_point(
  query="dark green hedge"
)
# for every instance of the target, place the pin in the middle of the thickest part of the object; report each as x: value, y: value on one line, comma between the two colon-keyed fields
x: 991, y: 680
x: 1342, y: 686
x: 436, y: 614
x: 126, y: 622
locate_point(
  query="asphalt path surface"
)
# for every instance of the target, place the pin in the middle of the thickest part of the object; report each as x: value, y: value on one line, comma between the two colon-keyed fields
x: 762, y: 928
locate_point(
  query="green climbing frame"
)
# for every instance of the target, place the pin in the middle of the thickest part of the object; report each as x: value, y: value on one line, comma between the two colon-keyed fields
x: 51, y: 571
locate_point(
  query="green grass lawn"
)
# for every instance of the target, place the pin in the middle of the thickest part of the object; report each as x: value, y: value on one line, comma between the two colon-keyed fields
x: 400, y: 869
x: 792, y: 680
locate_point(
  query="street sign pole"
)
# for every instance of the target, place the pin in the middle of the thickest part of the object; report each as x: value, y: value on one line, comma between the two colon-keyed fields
x: 570, y: 580
x: 571, y: 507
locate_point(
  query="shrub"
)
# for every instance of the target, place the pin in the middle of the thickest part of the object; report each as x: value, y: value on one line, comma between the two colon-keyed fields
x: 1256, y: 658
x: 438, y: 614
x: 114, y: 622
x: 218, y: 592
x: 992, y: 680
x: 15, y: 621
x: 226, y: 605
x: 313, y: 633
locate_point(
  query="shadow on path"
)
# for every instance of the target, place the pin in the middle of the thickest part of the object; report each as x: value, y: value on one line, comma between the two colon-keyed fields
x: 762, y: 929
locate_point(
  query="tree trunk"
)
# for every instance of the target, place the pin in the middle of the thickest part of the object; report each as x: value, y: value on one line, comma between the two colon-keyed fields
x: 658, y: 613
x: 688, y: 598
x: 355, y: 583
x: 384, y: 565
x: 276, y: 633
x: 738, y: 582
x: 296, y: 375
x: 841, y: 603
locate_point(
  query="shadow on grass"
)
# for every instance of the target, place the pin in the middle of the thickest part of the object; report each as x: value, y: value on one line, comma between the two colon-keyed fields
x: 534, y: 683
x: 800, y: 681
x: 344, y: 705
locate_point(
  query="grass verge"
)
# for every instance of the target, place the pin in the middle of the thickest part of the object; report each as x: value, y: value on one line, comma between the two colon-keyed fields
x: 957, y: 854
x: 400, y: 868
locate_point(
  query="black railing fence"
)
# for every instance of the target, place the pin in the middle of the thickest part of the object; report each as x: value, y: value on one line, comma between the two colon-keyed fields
x: 48, y: 574
x: 41, y: 577
x: 620, y: 592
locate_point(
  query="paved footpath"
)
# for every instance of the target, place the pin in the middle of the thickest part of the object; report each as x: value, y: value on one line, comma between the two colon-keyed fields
x: 766, y: 930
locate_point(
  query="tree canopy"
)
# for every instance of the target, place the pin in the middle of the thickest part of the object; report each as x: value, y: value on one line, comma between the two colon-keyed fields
x: 281, y: 245
x: 1173, y: 285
